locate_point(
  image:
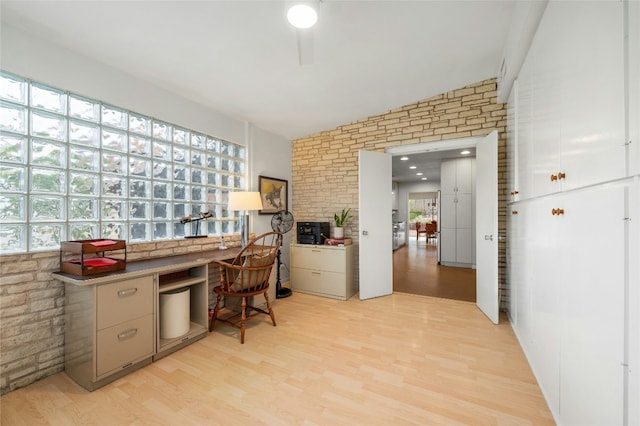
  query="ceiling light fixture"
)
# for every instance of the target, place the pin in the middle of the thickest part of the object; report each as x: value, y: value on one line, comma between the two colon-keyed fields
x: 405, y: 158
x: 412, y: 167
x: 302, y: 16
x: 419, y: 174
x: 423, y: 178
x: 465, y: 152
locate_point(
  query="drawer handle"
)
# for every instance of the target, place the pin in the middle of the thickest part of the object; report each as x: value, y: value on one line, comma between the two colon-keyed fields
x: 127, y: 334
x: 315, y: 273
x: 127, y: 292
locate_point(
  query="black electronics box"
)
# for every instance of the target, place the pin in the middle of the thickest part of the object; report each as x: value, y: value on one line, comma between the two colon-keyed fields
x: 312, y: 232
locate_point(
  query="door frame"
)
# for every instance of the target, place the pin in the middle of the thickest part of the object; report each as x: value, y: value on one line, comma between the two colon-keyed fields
x: 446, y: 145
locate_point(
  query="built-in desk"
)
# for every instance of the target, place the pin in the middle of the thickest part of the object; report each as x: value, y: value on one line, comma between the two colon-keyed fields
x: 112, y: 321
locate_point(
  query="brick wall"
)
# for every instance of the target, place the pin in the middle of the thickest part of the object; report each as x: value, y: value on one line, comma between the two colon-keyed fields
x: 325, y: 165
x: 32, y: 307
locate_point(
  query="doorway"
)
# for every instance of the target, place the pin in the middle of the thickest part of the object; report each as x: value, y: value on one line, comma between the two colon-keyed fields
x: 416, y: 264
x: 376, y: 225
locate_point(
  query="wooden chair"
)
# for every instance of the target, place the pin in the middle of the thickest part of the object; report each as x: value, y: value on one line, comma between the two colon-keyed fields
x: 431, y: 230
x: 420, y: 230
x: 247, y: 275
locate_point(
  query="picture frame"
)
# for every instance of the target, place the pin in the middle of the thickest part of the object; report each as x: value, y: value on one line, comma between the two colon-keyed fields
x: 274, y: 194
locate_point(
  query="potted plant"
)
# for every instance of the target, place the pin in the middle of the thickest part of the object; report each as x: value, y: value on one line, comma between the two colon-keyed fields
x: 341, y: 220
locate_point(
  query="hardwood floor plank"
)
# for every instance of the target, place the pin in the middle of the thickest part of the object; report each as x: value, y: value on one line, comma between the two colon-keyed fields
x: 396, y: 360
x: 416, y: 271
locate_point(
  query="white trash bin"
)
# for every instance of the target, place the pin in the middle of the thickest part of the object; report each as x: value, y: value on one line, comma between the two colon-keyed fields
x: 175, y: 313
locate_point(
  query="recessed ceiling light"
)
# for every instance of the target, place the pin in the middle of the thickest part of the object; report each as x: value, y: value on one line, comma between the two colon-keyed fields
x: 302, y: 16
x: 405, y: 158
x: 465, y: 152
x: 423, y: 178
x: 419, y: 174
x: 412, y: 167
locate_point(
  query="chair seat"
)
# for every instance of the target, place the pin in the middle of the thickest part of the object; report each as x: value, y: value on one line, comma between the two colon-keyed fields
x: 246, y: 292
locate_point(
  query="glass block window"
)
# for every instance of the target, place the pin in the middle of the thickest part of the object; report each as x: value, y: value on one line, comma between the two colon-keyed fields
x: 76, y: 168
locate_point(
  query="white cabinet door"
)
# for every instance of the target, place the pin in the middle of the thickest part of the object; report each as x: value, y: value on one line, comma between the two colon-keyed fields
x: 525, y: 128
x: 571, y: 99
x: 448, y: 177
x: 546, y: 105
x: 512, y: 143
x: 592, y: 90
x: 543, y: 231
x: 633, y: 70
x: 464, y: 175
x: 593, y: 323
x: 570, y: 300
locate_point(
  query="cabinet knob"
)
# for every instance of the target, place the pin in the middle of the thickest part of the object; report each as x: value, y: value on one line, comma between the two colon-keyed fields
x: 514, y: 192
x: 561, y: 175
x: 557, y: 212
x: 514, y: 211
x: 554, y: 177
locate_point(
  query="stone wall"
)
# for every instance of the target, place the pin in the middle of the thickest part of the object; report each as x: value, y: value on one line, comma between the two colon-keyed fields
x: 32, y: 307
x: 325, y: 165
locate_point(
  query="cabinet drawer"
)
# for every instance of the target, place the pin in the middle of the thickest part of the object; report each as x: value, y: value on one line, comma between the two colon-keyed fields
x: 322, y: 283
x: 123, y: 301
x: 123, y: 344
x: 319, y: 259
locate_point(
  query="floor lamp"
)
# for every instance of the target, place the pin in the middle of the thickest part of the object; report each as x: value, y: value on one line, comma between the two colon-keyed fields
x: 244, y: 202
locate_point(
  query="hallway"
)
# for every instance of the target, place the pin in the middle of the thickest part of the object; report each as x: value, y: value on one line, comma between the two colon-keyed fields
x: 416, y: 271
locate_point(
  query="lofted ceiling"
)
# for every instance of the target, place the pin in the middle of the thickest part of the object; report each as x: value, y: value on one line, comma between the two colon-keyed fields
x: 240, y: 57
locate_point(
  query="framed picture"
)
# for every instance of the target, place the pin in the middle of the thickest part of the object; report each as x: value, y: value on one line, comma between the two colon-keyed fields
x: 274, y: 193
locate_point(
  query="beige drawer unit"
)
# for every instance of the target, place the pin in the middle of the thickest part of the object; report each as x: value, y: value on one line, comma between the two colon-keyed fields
x: 109, y: 329
x: 124, y: 344
x: 114, y: 322
x: 130, y: 299
x: 323, y: 270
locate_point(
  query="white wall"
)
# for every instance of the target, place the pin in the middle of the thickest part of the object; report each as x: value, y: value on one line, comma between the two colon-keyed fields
x: 270, y: 156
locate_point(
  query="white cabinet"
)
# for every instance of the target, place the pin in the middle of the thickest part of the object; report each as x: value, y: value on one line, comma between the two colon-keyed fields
x: 457, y: 228
x: 571, y: 99
x: 568, y: 281
x: 573, y: 240
x: 323, y: 270
x: 592, y: 286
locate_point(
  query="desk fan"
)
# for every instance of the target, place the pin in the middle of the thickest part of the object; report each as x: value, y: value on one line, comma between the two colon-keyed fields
x: 281, y: 222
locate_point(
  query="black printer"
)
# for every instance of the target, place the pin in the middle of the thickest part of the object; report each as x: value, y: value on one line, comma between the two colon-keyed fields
x: 312, y: 232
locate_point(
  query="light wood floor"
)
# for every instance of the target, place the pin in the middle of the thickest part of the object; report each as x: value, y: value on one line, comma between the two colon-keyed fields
x: 395, y: 360
x: 416, y: 271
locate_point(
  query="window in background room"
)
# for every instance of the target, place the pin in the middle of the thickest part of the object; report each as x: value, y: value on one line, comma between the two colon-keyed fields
x: 423, y: 207
x: 76, y: 168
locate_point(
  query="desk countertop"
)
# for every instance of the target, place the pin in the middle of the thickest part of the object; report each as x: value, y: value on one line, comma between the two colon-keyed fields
x: 150, y: 266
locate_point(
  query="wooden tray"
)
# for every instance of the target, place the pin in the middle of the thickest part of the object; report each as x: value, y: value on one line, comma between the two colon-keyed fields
x: 92, y: 259
x: 92, y: 246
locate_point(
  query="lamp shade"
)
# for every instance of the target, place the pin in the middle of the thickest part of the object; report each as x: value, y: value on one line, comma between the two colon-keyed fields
x: 244, y: 201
